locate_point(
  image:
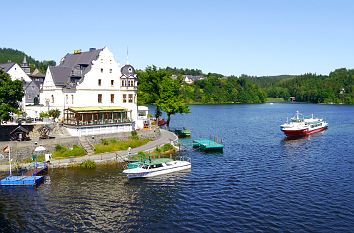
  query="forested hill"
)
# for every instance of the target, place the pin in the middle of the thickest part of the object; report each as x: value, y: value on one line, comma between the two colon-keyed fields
x: 337, y: 87
x: 7, y: 54
x: 268, y: 81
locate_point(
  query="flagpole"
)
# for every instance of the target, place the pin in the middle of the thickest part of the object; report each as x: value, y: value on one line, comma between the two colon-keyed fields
x: 10, y: 160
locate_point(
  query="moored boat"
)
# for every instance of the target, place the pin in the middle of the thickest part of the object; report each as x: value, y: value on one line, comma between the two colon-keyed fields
x: 182, y: 132
x: 157, y: 167
x: 300, y: 126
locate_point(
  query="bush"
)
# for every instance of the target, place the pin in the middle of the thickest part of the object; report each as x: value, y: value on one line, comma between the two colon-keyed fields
x: 157, y: 150
x: 43, y: 114
x: 59, y: 147
x: 88, y: 164
x: 166, y: 147
x: 134, y: 135
x: 55, y: 113
x: 104, y: 142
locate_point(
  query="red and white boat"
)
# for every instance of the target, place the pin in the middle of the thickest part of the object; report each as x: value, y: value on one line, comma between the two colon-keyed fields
x: 300, y: 126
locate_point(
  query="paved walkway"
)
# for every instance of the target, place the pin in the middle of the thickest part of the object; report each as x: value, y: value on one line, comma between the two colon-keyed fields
x: 119, y: 156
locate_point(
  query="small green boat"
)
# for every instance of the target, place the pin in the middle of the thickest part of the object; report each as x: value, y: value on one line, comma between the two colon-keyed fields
x: 183, y: 132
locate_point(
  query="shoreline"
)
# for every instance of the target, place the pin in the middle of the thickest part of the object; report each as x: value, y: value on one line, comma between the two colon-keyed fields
x: 117, y: 156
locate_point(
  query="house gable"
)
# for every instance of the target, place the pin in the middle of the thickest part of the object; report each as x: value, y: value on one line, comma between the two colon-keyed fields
x: 17, y: 73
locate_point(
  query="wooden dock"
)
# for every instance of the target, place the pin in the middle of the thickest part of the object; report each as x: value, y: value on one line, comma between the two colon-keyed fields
x: 207, y: 145
x: 39, y: 170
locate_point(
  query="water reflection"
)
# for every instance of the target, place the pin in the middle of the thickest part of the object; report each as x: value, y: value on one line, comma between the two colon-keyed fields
x: 262, y: 182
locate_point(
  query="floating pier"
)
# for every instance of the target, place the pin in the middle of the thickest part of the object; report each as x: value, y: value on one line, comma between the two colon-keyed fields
x: 22, y: 180
x: 207, y: 145
x: 39, y: 170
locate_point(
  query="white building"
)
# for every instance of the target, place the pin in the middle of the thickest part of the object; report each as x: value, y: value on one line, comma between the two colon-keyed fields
x: 15, y: 71
x: 143, y: 119
x: 93, y: 91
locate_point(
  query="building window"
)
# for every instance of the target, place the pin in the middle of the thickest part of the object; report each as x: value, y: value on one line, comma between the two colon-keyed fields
x: 52, y: 98
x: 124, y: 98
x: 101, y: 70
x: 122, y: 83
x: 29, y: 97
x: 110, y: 70
x: 112, y: 83
x: 130, y: 98
x: 112, y: 98
x: 99, y: 98
x: 66, y: 99
x: 99, y: 82
x: 72, y: 99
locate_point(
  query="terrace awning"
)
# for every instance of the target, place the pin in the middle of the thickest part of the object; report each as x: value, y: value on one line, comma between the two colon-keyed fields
x: 97, y: 109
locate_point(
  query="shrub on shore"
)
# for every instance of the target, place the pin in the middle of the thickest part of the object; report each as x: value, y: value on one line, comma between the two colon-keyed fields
x: 88, y: 164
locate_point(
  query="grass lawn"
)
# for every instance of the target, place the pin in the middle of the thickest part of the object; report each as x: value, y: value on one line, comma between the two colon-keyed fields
x: 110, y: 145
x: 62, y: 152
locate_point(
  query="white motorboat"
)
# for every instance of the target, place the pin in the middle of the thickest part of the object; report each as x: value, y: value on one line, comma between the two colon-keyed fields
x: 156, y: 167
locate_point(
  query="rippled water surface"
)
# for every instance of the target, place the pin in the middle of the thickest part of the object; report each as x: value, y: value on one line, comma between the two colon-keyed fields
x: 261, y: 182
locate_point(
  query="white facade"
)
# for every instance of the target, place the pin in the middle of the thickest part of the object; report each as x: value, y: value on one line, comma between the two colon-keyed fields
x: 143, y: 112
x: 101, y: 86
x: 17, y: 73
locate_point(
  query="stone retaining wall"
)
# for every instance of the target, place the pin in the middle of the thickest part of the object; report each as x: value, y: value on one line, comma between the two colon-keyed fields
x: 24, y: 149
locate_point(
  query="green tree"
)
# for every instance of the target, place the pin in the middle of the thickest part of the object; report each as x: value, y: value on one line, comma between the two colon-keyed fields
x: 171, y: 101
x: 149, y: 86
x: 55, y: 113
x: 11, y: 93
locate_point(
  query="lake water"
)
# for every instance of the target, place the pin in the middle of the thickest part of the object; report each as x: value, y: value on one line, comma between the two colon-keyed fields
x: 261, y: 183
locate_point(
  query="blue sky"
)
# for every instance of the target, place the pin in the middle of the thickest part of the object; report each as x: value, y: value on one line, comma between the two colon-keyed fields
x: 251, y: 37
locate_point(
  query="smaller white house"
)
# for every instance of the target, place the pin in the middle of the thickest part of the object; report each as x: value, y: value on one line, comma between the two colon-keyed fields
x: 143, y: 120
x: 15, y: 71
x: 189, y: 79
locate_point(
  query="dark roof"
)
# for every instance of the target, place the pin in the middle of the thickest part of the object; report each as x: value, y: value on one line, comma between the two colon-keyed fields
x: 77, y: 64
x: 37, y: 74
x: 82, y: 58
x: 128, y: 71
x: 21, y: 129
x: 7, y: 66
x: 60, y: 74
